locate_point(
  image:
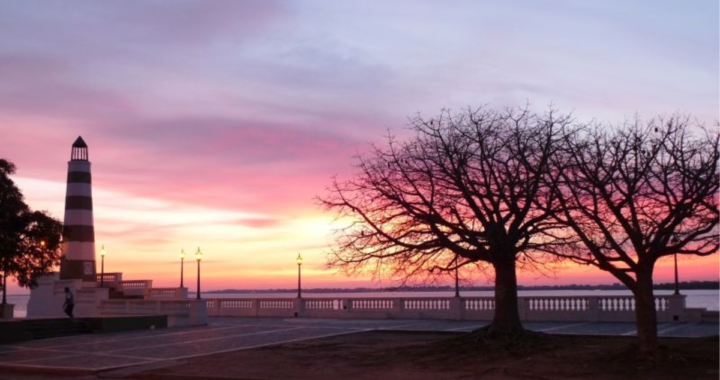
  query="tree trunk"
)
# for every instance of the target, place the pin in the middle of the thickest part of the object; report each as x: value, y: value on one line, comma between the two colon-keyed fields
x: 645, y: 315
x: 507, y: 317
x: 4, y: 286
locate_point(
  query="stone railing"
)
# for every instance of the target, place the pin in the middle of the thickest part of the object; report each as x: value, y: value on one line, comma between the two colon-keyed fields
x: 180, y: 312
x: 244, y: 307
x: 135, y: 287
x: 167, y: 293
x: 109, y: 280
x: 570, y: 308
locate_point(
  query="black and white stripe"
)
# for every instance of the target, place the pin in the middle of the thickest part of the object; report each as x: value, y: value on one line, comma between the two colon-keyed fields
x: 79, y: 230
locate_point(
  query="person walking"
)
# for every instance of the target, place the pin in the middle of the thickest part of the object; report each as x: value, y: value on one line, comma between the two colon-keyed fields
x: 69, y: 303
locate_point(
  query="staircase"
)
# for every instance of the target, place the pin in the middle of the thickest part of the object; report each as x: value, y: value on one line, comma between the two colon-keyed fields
x: 51, y: 328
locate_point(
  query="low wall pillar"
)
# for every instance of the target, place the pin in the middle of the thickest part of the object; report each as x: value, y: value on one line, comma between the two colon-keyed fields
x: 7, y: 311
x: 299, y: 306
x: 676, y: 307
x: 524, y: 309
x: 217, y: 309
x: 456, y: 311
x: 593, y: 309
x: 198, y: 312
x: 398, y: 308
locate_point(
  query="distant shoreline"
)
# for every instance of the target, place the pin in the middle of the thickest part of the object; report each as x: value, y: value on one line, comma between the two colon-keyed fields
x: 692, y: 285
x: 689, y: 285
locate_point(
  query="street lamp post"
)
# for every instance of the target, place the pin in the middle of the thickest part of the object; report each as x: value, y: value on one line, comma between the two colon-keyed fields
x: 102, y: 266
x: 42, y: 258
x: 182, y: 267
x: 198, y: 257
x: 299, y: 263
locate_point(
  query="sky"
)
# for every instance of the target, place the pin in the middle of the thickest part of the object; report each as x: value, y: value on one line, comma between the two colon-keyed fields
x: 215, y: 124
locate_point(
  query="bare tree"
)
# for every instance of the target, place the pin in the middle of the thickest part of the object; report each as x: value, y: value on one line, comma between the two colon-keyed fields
x: 464, y: 186
x: 635, y: 194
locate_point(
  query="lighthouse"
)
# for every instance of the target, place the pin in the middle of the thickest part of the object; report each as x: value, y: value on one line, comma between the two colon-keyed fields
x: 77, y: 267
x: 79, y: 231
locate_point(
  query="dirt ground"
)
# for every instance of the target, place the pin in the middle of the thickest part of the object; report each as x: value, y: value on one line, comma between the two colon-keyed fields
x: 420, y: 356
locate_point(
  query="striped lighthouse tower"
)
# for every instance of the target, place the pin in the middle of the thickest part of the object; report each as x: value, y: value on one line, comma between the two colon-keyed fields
x: 79, y: 231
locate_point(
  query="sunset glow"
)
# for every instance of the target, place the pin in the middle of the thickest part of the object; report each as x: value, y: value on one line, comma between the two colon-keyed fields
x: 218, y: 130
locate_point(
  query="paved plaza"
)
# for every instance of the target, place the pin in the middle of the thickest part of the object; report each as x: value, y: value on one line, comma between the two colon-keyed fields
x: 102, y: 352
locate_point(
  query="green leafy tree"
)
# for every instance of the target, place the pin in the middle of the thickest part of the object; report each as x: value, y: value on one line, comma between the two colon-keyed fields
x: 29, y: 240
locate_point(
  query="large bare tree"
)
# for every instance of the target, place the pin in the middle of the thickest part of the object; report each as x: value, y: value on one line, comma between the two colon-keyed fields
x: 637, y: 193
x: 461, y: 191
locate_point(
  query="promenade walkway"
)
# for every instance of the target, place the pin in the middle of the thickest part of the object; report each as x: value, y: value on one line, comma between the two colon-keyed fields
x: 93, y: 353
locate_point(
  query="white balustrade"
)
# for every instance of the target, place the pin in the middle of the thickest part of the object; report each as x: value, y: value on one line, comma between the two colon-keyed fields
x: 323, y: 304
x: 175, y: 307
x: 179, y: 312
x: 478, y: 304
x: 557, y: 303
x: 236, y: 304
x: 167, y: 293
x: 571, y: 308
x: 276, y: 304
x: 109, y: 279
x: 135, y: 287
x: 426, y: 304
x: 617, y: 304
x: 373, y: 304
x: 662, y: 303
x: 136, y: 284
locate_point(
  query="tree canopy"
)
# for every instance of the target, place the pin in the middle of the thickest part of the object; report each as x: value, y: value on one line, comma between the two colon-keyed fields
x: 515, y: 189
x: 29, y: 240
x: 461, y: 191
x: 634, y: 194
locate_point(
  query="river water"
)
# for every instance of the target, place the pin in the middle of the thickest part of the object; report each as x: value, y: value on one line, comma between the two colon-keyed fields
x: 709, y: 299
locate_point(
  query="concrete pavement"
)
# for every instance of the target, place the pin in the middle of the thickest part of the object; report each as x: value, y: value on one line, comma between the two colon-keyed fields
x: 86, y: 354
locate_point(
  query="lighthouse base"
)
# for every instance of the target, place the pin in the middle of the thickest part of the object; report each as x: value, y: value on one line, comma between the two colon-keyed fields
x: 47, y: 299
